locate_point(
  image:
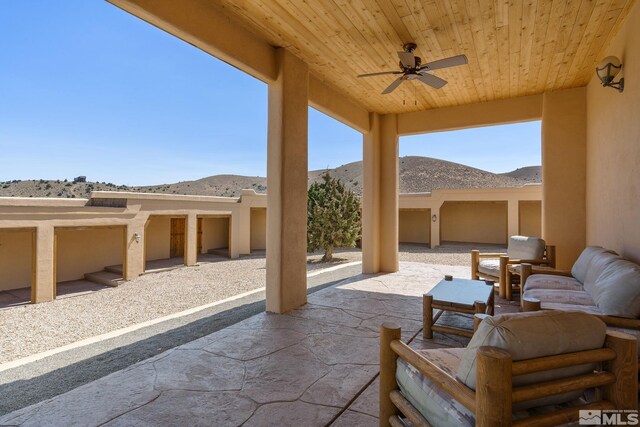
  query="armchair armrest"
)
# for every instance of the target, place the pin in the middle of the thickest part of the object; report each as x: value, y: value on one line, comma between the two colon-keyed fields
x: 491, y: 255
x: 528, y: 261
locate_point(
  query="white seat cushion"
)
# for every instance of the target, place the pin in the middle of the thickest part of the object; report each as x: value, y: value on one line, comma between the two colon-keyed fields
x: 490, y: 267
x: 560, y: 296
x: 548, y: 281
x: 521, y: 247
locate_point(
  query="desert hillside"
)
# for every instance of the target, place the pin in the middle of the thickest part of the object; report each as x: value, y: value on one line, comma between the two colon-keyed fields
x: 417, y: 174
x: 527, y: 173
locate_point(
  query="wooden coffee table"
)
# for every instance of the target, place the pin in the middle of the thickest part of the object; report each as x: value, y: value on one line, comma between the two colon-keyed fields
x: 458, y: 296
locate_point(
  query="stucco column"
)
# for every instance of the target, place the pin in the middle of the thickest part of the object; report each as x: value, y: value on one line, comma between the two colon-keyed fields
x: 241, y: 231
x: 380, y: 203
x: 287, y: 185
x: 191, y: 251
x: 513, y: 218
x: 435, y: 225
x: 43, y: 286
x: 135, y: 247
x: 564, y: 146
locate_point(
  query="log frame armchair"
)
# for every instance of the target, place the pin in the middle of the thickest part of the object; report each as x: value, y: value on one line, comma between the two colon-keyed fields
x: 492, y: 401
x: 502, y: 275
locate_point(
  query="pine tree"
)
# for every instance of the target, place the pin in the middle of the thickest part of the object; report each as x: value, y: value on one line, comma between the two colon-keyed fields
x: 333, y: 217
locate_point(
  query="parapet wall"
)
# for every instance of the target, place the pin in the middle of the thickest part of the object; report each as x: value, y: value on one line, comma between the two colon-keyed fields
x: 34, y: 227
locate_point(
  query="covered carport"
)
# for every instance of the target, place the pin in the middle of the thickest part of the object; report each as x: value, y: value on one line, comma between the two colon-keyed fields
x: 84, y: 254
x: 415, y: 226
x: 165, y: 242
x: 17, y: 263
x: 214, y: 235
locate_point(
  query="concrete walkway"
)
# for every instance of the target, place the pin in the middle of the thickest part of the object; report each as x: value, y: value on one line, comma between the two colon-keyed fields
x: 313, y: 366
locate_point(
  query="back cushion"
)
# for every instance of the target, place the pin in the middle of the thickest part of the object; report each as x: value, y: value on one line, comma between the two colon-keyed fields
x: 579, y: 269
x: 599, y: 262
x: 521, y: 247
x: 617, y: 290
x: 532, y: 335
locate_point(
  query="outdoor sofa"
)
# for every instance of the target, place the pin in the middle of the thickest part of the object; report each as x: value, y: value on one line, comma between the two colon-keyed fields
x: 493, y: 266
x: 536, y: 368
x: 600, y: 283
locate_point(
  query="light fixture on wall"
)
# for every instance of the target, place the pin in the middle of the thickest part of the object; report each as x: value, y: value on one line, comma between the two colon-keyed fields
x: 136, y: 237
x: 434, y: 217
x: 608, y: 70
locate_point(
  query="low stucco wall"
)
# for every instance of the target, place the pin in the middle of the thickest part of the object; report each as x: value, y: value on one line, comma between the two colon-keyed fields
x: 530, y: 218
x: 474, y: 222
x: 81, y: 251
x: 15, y: 259
x: 415, y: 226
x: 215, y: 233
x: 258, y: 229
x: 158, y: 238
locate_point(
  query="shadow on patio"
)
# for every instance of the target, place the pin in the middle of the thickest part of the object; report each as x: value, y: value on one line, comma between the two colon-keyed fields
x: 313, y: 366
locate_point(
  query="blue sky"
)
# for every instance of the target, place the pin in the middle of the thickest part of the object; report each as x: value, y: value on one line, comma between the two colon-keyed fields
x: 87, y: 89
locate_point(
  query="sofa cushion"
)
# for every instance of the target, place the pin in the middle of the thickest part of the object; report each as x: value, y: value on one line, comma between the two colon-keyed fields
x: 616, y: 292
x: 490, y: 267
x: 598, y: 263
x: 438, y: 407
x: 548, y: 281
x: 521, y: 247
x: 579, y: 269
x: 561, y: 296
x: 589, y: 309
x: 532, y: 335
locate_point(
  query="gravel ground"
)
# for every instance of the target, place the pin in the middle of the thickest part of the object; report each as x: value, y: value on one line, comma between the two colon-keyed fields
x: 31, y: 329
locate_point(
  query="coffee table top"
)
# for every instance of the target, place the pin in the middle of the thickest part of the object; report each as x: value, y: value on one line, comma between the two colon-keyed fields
x: 461, y: 291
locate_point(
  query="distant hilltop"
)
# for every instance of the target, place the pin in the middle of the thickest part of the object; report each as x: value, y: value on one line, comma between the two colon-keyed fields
x: 417, y: 175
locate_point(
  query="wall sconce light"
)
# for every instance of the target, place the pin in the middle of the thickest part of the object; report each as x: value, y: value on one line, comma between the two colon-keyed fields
x: 608, y: 70
x: 434, y: 217
x: 136, y: 237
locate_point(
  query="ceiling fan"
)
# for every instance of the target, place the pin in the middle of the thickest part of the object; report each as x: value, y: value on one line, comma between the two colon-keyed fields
x: 411, y: 68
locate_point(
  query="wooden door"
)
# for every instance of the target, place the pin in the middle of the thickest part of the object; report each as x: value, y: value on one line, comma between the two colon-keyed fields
x: 199, y: 236
x: 177, y: 237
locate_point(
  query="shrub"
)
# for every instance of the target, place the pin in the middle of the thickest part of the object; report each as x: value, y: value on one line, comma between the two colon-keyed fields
x: 333, y: 217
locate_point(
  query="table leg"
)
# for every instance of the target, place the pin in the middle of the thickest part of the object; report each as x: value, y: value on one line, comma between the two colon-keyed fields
x: 480, y: 307
x: 427, y: 316
x: 491, y: 304
x: 508, y: 289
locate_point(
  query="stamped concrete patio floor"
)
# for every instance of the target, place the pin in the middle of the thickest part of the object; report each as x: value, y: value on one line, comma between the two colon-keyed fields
x: 314, y: 366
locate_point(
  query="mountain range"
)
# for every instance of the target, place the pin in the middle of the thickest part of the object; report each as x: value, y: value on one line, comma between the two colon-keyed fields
x: 417, y: 174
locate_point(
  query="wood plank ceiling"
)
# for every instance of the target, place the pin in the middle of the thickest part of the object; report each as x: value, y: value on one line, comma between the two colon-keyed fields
x: 514, y: 47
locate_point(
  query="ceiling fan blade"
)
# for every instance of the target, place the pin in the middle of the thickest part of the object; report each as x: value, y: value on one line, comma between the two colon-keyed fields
x: 393, y: 85
x: 431, y: 80
x: 407, y: 59
x: 380, y: 73
x: 452, y: 61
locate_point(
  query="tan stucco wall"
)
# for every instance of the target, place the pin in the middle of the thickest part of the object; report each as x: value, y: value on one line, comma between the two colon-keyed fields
x: 158, y: 238
x: 215, y: 233
x: 258, y: 229
x: 414, y: 225
x: 530, y: 218
x: 86, y: 251
x: 476, y: 222
x: 15, y: 259
x: 613, y: 150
